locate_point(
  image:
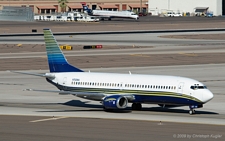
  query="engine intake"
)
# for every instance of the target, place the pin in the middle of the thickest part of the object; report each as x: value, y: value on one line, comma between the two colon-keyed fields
x: 115, y: 102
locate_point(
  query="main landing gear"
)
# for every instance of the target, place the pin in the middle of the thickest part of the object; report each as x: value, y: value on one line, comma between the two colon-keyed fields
x: 136, y: 106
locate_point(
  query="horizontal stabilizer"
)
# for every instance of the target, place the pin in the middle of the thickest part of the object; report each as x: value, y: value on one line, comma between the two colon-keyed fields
x: 79, y: 94
x: 47, y: 75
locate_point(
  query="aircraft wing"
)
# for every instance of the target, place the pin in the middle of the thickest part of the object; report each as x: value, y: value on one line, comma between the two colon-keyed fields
x: 47, y: 75
x: 93, y: 96
x: 87, y: 95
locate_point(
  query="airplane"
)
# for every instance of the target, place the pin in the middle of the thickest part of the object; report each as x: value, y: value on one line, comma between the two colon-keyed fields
x: 115, y: 90
x: 102, y: 14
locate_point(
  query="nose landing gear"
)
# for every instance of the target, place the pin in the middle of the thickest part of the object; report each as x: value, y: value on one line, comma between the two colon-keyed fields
x: 192, y: 111
x: 193, y: 107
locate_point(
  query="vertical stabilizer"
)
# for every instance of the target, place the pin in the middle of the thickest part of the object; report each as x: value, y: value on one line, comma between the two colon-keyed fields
x: 56, y: 60
x: 87, y: 10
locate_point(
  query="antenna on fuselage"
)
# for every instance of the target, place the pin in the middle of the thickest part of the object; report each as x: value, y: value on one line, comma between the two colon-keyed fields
x: 129, y: 72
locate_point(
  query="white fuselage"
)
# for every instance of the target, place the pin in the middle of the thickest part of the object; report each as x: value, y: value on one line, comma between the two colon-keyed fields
x: 146, y: 86
x: 115, y: 14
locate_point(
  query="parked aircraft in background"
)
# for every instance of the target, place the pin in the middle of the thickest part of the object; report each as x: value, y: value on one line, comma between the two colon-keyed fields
x: 102, y: 14
x: 115, y: 90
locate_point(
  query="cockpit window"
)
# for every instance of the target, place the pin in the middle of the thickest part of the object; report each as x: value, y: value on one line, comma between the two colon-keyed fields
x: 195, y: 87
x: 202, y: 87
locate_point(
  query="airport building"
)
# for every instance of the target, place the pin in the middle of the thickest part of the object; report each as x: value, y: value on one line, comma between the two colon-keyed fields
x: 155, y: 7
x: 217, y: 7
x: 52, y: 6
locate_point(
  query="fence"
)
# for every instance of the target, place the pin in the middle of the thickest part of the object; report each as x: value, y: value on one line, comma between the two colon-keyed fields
x: 10, y: 13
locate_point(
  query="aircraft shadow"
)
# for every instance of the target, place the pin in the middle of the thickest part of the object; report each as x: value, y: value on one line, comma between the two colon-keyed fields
x: 87, y: 106
x: 78, y: 103
x: 170, y: 110
x: 119, y: 20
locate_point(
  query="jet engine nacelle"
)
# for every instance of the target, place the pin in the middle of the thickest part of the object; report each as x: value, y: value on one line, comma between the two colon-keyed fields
x: 115, y: 102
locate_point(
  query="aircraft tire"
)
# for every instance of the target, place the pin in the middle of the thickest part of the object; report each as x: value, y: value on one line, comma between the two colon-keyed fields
x: 136, y: 106
x: 192, y: 111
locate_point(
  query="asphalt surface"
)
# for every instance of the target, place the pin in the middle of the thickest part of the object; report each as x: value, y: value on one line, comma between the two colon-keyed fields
x: 137, y: 50
x: 36, y: 116
x: 23, y: 128
x: 145, y: 23
x: 29, y: 115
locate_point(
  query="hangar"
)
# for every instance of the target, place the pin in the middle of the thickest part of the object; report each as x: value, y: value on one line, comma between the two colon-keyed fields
x: 157, y: 7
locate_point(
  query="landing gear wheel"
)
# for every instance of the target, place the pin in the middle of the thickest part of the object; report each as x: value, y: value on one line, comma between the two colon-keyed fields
x: 192, y: 111
x: 136, y: 106
x: 107, y: 110
x: 139, y: 106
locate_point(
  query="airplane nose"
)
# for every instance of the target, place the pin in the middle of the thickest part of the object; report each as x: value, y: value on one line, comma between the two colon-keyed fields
x: 207, y: 96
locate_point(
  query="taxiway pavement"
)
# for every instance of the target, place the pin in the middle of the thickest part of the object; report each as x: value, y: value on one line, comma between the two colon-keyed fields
x: 15, y: 101
x: 30, y: 115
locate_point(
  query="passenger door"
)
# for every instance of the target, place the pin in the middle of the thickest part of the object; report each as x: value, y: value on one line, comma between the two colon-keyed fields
x: 64, y: 80
x: 180, y: 88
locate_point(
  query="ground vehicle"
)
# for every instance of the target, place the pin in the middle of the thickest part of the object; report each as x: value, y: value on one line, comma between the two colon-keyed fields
x: 142, y: 14
x: 173, y: 14
x: 170, y: 14
x: 177, y: 14
x: 209, y: 14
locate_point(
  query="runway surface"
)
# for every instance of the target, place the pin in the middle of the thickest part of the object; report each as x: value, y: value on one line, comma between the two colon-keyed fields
x: 14, y: 100
x: 145, y: 23
x: 27, y: 115
x: 28, y: 128
x: 70, y: 112
x: 125, y: 50
x: 120, y: 39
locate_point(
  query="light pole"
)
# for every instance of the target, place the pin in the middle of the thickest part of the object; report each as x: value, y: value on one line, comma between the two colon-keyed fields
x: 141, y: 6
x: 168, y: 4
